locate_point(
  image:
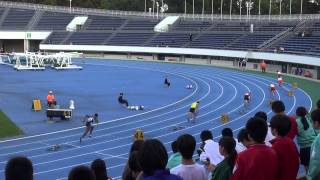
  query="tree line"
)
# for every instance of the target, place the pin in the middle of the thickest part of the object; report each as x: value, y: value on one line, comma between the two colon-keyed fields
x: 178, y: 6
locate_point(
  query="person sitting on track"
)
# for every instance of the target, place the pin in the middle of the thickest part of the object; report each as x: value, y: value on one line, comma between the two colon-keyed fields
x: 166, y: 82
x: 51, y: 99
x: 193, y: 111
x: 272, y: 92
x: 280, y: 81
x: 122, y: 101
x: 89, y: 121
x: 247, y: 99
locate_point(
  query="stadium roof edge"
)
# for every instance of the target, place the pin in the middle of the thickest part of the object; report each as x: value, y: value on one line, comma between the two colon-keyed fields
x: 102, y: 12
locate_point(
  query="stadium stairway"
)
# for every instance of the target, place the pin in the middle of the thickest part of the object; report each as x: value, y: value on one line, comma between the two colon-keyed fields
x: 35, y: 19
x: 4, y: 15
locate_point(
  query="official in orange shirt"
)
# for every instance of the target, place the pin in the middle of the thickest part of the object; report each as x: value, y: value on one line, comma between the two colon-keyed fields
x: 50, y: 99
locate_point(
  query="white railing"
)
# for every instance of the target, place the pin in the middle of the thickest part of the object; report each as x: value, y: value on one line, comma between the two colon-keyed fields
x: 91, y: 11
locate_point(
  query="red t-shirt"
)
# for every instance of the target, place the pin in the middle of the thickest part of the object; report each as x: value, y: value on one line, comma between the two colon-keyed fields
x: 288, y: 157
x: 294, y: 128
x: 257, y: 162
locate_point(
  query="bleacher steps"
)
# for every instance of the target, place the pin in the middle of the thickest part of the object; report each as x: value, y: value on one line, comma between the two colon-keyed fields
x: 4, y: 15
x: 66, y: 38
x: 150, y: 39
x: 110, y: 37
x: 123, y: 24
x: 35, y: 19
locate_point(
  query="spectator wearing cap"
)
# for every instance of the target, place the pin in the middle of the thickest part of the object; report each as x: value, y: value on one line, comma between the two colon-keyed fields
x: 285, y: 148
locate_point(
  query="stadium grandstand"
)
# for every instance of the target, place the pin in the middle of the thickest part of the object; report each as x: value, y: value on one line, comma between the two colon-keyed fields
x: 210, y: 65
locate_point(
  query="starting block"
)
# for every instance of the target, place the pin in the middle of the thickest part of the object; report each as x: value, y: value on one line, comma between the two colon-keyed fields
x: 138, y: 135
x: 295, y: 85
x: 224, y: 118
x: 36, y: 105
x: 290, y: 93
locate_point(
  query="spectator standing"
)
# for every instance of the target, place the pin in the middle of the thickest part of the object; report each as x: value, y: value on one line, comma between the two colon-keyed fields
x: 99, y: 169
x: 269, y: 136
x: 279, y: 108
x: 285, y: 148
x: 258, y: 161
x: 188, y: 169
x: 243, y: 138
x: 176, y: 158
x: 314, y: 165
x: 153, y: 159
x: 305, y: 137
x: 210, y: 149
x: 223, y: 170
x: 19, y: 168
x: 227, y: 132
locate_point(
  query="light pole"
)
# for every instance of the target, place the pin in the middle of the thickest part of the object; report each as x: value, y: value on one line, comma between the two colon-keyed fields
x: 193, y: 9
x: 239, y: 3
x: 153, y: 4
x: 301, y: 8
x: 290, y: 6
x: 185, y: 8
x: 221, y: 9
x: 230, y: 8
x: 259, y: 8
x: 211, y: 10
x: 145, y: 6
x: 157, y: 9
x: 270, y: 9
x: 202, y: 8
x: 70, y: 6
x: 280, y: 4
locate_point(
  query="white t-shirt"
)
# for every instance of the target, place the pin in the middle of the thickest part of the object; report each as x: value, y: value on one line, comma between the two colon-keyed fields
x: 190, y: 172
x: 211, y: 151
x: 269, y: 137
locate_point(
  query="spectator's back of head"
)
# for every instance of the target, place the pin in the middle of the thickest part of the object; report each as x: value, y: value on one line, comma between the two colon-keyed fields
x: 281, y: 123
x: 261, y: 115
x: 136, y: 146
x: 134, y: 164
x: 19, y: 168
x: 81, y: 173
x: 278, y: 107
x: 227, y: 132
x: 228, y: 145
x: 205, y: 135
x: 302, y: 112
x: 152, y: 156
x: 186, y: 145
x: 257, y: 129
x: 315, y: 116
x: 243, y: 135
x: 98, y: 167
x: 174, y: 146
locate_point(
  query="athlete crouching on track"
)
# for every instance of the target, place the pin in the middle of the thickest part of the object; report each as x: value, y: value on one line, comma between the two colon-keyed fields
x: 193, y: 111
x: 89, y: 122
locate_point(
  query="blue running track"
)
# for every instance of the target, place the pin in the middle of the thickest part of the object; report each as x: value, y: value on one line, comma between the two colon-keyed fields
x: 95, y: 89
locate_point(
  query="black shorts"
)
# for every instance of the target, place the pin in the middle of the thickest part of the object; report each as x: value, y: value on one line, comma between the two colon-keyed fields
x: 246, y: 98
x: 305, y: 156
x: 192, y: 110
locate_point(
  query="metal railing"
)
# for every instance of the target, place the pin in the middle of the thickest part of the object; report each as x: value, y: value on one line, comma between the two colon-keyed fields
x: 91, y: 11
